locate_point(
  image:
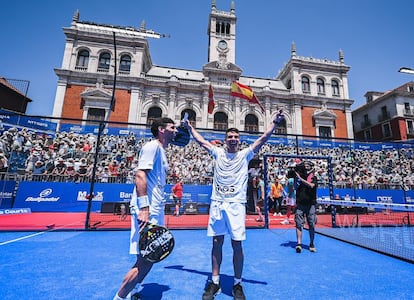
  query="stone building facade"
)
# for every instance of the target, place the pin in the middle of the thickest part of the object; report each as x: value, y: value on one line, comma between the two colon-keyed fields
x: 312, y: 92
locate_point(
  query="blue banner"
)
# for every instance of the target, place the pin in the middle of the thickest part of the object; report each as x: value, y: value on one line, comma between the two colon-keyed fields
x: 72, y: 197
x: 6, y: 193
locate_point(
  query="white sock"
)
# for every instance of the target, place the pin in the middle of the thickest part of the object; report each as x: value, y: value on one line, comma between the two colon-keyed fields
x: 136, y: 289
x: 237, y: 280
x: 215, y: 279
x: 117, y: 297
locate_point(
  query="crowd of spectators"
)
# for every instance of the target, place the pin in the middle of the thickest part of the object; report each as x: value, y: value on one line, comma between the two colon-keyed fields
x: 69, y: 157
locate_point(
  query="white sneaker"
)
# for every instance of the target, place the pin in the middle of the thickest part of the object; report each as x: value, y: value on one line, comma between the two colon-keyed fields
x: 279, y: 214
x: 275, y: 214
x: 285, y: 222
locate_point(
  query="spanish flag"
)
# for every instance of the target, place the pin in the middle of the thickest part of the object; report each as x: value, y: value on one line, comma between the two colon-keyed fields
x: 211, y: 103
x: 245, y: 92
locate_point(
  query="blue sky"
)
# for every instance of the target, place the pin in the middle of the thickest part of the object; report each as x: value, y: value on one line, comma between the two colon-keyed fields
x: 376, y: 37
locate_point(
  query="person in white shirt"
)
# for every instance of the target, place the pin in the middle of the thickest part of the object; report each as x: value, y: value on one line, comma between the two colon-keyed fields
x: 147, y: 201
x: 228, y: 201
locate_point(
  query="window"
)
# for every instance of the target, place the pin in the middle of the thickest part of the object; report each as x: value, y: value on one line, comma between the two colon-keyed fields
x: 191, y: 116
x: 220, y: 121
x: 410, y: 127
x: 335, y: 88
x: 251, y: 123
x: 153, y: 113
x: 125, y: 63
x: 320, y: 83
x: 367, y: 135
x: 325, y: 132
x: 96, y: 114
x: 407, y: 108
x: 82, y: 59
x: 386, y: 130
x: 104, y: 61
x: 223, y: 27
x: 305, y: 84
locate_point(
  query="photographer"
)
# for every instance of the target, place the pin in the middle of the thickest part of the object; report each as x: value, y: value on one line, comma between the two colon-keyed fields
x: 305, y: 200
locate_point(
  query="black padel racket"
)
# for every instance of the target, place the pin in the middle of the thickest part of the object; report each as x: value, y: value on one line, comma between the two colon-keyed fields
x: 155, y: 243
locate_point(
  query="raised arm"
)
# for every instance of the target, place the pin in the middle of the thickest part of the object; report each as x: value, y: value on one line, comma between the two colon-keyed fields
x: 202, y: 141
x: 266, y: 135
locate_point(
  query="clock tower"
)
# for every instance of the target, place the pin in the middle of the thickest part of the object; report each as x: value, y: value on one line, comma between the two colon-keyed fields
x: 222, y: 35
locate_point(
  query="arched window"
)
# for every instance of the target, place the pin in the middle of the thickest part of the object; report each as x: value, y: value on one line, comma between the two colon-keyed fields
x: 281, y: 128
x: 83, y: 59
x: 305, y: 84
x: 251, y: 123
x: 335, y: 87
x: 191, y: 116
x: 125, y: 63
x: 104, y: 61
x: 153, y: 113
x: 220, y: 121
x: 320, y: 83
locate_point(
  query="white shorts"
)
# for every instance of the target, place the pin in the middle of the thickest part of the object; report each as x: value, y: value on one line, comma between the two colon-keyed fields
x: 227, y: 218
x: 134, y: 237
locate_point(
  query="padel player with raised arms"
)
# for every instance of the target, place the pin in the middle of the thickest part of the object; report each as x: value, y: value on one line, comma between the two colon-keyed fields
x: 147, y: 203
x: 228, y: 201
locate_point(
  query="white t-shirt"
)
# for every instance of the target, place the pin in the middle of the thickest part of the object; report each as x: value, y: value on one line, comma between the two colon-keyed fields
x: 152, y: 157
x: 230, y: 174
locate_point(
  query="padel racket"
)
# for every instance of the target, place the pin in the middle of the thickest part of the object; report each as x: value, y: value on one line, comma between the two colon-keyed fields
x: 155, y: 243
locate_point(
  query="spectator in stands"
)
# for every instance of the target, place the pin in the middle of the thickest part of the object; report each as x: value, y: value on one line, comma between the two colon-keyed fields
x: 147, y: 203
x: 177, y: 193
x: 228, y: 200
x: 60, y: 167
x: 4, y: 163
x: 290, y: 199
x: 39, y: 168
x: 70, y: 172
x: 82, y: 173
x: 276, y: 196
x: 260, y: 202
x: 253, y: 185
x: 305, y: 204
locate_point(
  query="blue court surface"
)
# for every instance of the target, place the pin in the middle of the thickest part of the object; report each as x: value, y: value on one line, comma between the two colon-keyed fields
x: 91, y: 265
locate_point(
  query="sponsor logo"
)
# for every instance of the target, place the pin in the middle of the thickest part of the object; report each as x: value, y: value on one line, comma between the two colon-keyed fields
x: 384, y: 199
x: 15, y: 211
x: 82, y: 196
x: 43, y: 197
x: 124, y: 195
x: 4, y: 195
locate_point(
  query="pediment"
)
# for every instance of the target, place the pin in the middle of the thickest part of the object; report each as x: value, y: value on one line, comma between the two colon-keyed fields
x: 96, y: 93
x: 324, y: 114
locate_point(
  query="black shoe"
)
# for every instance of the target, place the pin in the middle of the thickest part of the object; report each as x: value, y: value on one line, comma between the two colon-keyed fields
x: 211, y: 291
x: 312, y: 248
x: 238, y: 293
x: 298, y: 248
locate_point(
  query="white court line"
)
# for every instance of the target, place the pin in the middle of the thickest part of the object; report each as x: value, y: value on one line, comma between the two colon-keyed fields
x: 35, y: 234
x: 22, y: 238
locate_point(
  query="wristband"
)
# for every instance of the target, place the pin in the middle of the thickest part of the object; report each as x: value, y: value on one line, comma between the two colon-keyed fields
x: 143, y: 201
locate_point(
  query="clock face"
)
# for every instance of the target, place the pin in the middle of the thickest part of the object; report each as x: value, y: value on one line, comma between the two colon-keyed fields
x: 222, y: 45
